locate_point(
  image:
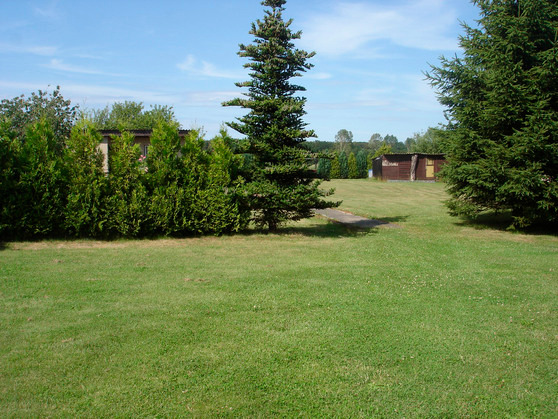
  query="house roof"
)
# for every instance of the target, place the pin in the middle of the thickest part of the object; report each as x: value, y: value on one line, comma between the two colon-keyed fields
x: 413, y: 154
x: 138, y: 132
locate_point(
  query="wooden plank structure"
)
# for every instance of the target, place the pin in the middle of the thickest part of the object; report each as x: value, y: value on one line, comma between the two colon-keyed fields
x: 408, y: 166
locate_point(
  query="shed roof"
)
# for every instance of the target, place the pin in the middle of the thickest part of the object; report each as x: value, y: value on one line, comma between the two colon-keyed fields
x: 138, y: 132
x: 413, y: 154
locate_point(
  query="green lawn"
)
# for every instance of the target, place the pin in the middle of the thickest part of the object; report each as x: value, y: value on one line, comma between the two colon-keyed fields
x: 438, y: 318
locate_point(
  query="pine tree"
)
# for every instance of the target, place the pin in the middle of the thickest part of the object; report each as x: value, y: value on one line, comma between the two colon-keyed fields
x: 324, y: 168
x: 502, y: 109
x: 353, y: 168
x: 335, y: 171
x: 361, y: 164
x: 280, y: 186
x: 343, y: 166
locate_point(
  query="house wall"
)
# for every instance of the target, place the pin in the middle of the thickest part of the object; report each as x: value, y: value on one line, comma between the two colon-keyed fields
x: 398, y: 167
x: 422, y: 163
x: 104, y: 149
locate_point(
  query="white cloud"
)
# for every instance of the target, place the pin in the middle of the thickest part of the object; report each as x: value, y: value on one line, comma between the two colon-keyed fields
x: 204, y: 69
x: 49, y: 11
x: 318, y: 76
x: 94, y: 94
x: 60, y: 65
x: 43, y: 50
x: 209, y: 98
x: 352, y: 26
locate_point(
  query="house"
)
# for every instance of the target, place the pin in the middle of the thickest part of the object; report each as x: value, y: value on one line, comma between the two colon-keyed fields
x: 142, y: 137
x: 408, y: 166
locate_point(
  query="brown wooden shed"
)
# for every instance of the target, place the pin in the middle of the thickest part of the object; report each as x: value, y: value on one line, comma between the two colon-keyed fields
x: 408, y: 166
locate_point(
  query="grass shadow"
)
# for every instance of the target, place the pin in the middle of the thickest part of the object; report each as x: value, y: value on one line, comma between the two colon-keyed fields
x: 394, y: 220
x: 502, y: 222
x: 332, y: 229
x: 327, y: 229
x: 3, y: 246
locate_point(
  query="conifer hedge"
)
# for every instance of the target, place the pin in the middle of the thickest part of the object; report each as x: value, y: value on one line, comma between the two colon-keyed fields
x: 178, y: 189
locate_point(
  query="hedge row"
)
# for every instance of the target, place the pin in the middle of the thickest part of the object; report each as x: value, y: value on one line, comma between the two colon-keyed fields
x: 339, y: 166
x: 179, y: 189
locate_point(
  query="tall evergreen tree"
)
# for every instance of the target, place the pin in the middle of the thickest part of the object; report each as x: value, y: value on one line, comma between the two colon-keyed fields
x: 353, y: 168
x: 324, y: 168
x: 280, y: 186
x: 343, y: 166
x: 502, y: 109
x: 361, y: 164
x: 335, y: 171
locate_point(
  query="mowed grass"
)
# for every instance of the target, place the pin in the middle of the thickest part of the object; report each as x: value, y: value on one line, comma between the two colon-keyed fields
x: 437, y: 318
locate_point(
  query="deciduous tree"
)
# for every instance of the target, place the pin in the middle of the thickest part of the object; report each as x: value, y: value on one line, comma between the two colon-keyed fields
x: 51, y: 108
x: 129, y: 115
x: 343, y: 141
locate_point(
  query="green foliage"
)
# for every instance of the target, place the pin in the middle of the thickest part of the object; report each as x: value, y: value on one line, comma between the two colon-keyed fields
x: 193, y: 191
x: 343, y: 166
x: 127, y: 205
x: 279, y: 185
x: 377, y: 141
x: 433, y: 141
x: 335, y: 172
x: 324, y: 167
x: 181, y: 188
x: 224, y: 207
x: 343, y: 141
x: 384, y: 149
x: 85, y: 212
x: 353, y: 168
x: 502, y: 106
x: 396, y: 145
x: 317, y: 146
x: 361, y: 164
x: 129, y: 115
x: 41, y: 188
x: 51, y: 108
x: 10, y: 149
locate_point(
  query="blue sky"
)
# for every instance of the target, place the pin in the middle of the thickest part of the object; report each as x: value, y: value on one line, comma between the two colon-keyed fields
x: 368, y: 74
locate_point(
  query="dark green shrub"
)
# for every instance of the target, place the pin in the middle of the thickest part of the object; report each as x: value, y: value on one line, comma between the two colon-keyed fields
x: 361, y: 164
x: 324, y: 168
x: 85, y: 212
x: 127, y: 203
x: 335, y: 172
x: 343, y: 166
x: 42, y: 185
x: 10, y: 150
x: 353, y: 168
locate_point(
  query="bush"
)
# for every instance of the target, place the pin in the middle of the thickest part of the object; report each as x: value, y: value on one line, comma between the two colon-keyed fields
x: 127, y: 204
x: 192, y: 190
x: 324, y: 168
x: 335, y: 171
x: 10, y: 150
x: 361, y: 164
x: 42, y: 187
x: 343, y: 166
x: 353, y: 168
x: 86, y: 210
x: 181, y: 188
